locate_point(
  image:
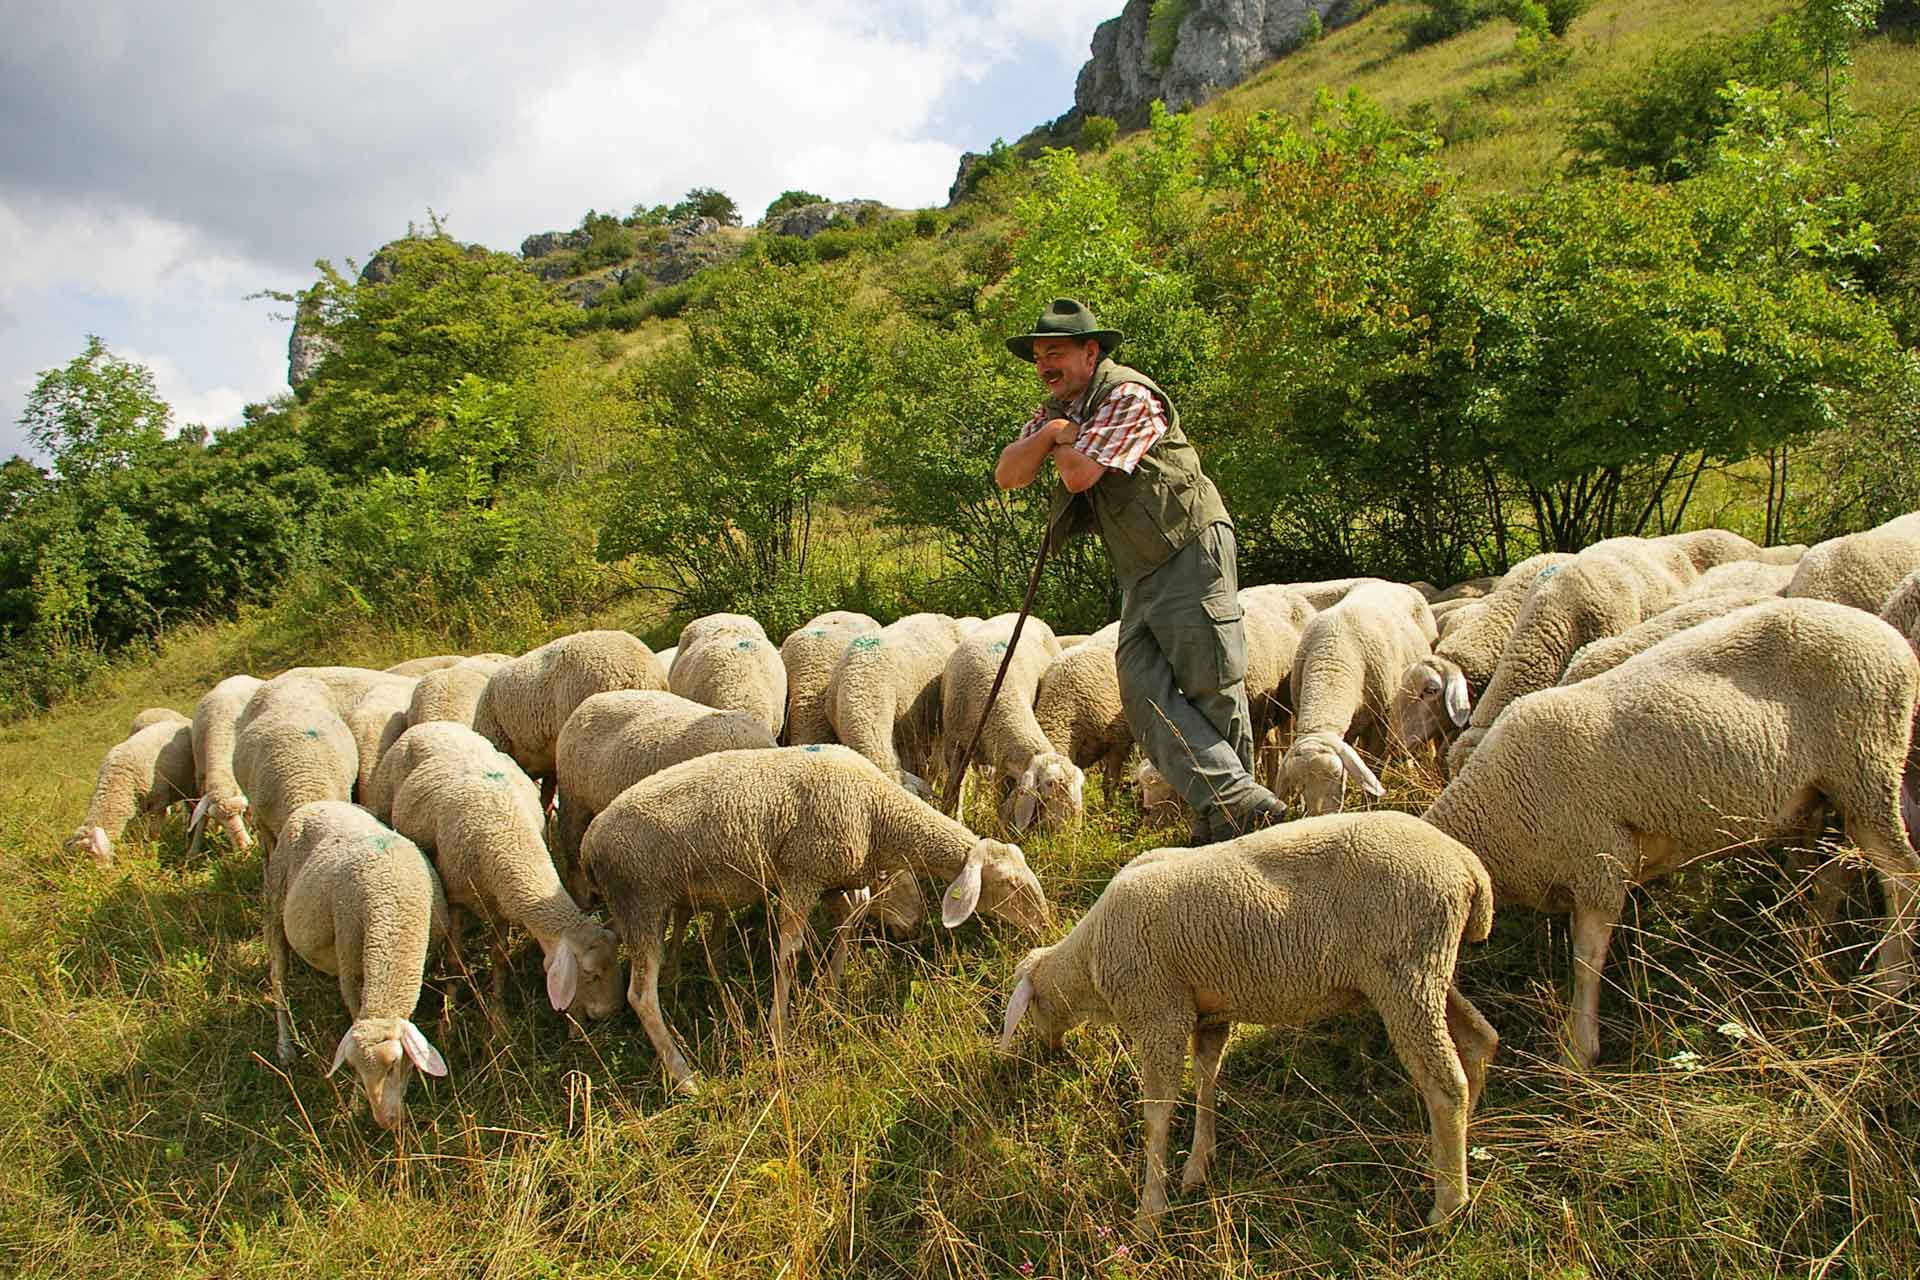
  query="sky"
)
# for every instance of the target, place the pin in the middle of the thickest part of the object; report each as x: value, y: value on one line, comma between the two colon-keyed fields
x: 161, y: 163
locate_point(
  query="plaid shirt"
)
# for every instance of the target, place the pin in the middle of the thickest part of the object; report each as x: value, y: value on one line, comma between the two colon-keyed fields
x: 1127, y: 423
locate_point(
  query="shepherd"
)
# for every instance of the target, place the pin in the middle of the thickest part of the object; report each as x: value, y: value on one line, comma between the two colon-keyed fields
x: 1123, y: 466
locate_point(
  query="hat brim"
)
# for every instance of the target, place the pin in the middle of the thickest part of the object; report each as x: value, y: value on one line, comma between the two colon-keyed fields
x: 1021, y: 345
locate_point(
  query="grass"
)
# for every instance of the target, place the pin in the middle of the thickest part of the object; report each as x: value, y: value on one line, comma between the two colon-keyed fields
x: 151, y: 1133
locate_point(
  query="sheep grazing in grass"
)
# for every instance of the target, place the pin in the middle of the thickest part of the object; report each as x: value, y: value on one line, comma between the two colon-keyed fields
x: 1285, y: 926
x: 453, y: 693
x: 140, y: 776
x: 1077, y: 706
x: 1860, y: 569
x: 733, y: 671
x: 1274, y: 621
x: 528, y: 699
x: 719, y: 624
x: 357, y: 900
x: 414, y: 668
x: 150, y: 716
x: 884, y: 699
x: 1609, y: 652
x: 1345, y: 675
x: 291, y: 748
x: 810, y: 654
x: 1038, y: 783
x: 216, y: 727
x: 787, y: 825
x: 1720, y: 736
x: 482, y: 820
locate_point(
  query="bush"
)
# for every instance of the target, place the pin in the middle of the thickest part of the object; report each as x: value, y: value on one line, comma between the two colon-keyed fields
x: 790, y: 200
x: 1163, y: 30
x: 1098, y: 132
x: 1561, y: 14
x: 1445, y: 19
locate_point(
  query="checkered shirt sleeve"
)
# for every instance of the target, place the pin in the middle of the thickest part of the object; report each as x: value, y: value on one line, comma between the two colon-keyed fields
x: 1128, y: 423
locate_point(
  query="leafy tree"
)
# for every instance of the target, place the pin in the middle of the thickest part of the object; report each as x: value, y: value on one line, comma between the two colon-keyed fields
x: 95, y: 415
x: 1445, y: 19
x: 1098, y: 132
x: 608, y: 241
x: 999, y: 159
x: 1827, y: 30
x: 790, y: 200
x: 384, y: 396
x: 707, y: 202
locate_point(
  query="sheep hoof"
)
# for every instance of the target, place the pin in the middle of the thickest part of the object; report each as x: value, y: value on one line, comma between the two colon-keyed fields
x: 1444, y: 1209
x: 687, y: 1086
x: 1192, y: 1177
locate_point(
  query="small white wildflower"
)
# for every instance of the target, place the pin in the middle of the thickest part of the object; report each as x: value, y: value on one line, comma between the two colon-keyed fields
x: 1480, y: 1153
x: 1732, y: 1031
x: 1686, y: 1060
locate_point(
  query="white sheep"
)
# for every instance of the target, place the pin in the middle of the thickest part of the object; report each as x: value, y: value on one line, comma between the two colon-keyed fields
x: 1693, y: 609
x: 791, y: 823
x: 1345, y: 676
x: 414, y: 668
x: 139, y: 776
x: 719, y: 624
x: 884, y: 698
x: 482, y: 820
x: 1078, y: 706
x: 453, y: 693
x: 810, y: 654
x: 150, y: 716
x: 357, y: 900
x: 1901, y: 608
x: 376, y: 721
x: 216, y: 726
x: 1273, y: 621
x: 1747, y: 577
x: 1473, y: 644
x: 733, y: 671
x: 1038, y: 782
x: 1722, y: 735
x: 1285, y: 926
x: 528, y: 699
x: 1860, y: 569
x: 291, y: 748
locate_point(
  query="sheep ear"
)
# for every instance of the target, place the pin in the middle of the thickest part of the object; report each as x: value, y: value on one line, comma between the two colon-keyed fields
x: 1016, y: 1010
x: 963, y: 895
x: 1459, y: 699
x: 101, y: 846
x: 340, y: 1053
x: 1357, y: 769
x: 424, y: 1055
x: 199, y: 815
x: 563, y: 976
x: 1025, y: 802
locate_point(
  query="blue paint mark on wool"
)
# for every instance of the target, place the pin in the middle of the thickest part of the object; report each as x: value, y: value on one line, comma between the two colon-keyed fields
x: 310, y: 733
x: 865, y: 643
x: 744, y: 645
x: 811, y: 746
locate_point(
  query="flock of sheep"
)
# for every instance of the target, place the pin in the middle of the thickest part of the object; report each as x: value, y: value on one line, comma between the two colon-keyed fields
x: 1602, y: 719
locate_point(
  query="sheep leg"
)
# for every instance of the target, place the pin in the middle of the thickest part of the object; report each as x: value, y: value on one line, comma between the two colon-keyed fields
x: 1418, y: 1025
x: 643, y: 993
x: 1161, y: 1051
x: 1898, y: 873
x: 1592, y: 934
x: 1208, y: 1042
x: 677, y: 926
x: 792, y: 933
x: 713, y: 942
x: 276, y: 938
x: 1474, y: 1039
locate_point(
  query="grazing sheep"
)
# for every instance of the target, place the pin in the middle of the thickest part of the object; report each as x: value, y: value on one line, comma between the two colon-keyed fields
x: 1160, y: 804
x: 884, y: 699
x: 1431, y: 706
x: 216, y: 724
x: 1601, y: 592
x: 1273, y: 622
x: 1078, y: 706
x: 453, y: 693
x: 528, y: 699
x: 482, y: 820
x: 1285, y: 926
x: 1038, y: 782
x: 357, y: 900
x: 347, y: 687
x: 414, y: 668
x: 292, y: 748
x: 1609, y: 652
x: 1473, y: 647
x: 720, y: 624
x: 1901, y: 608
x: 810, y: 655
x: 140, y: 775
x: 613, y: 740
x: 1860, y: 569
x: 728, y: 830
x: 1722, y: 735
x: 376, y: 721
x: 1468, y: 589
x: 733, y: 671
x: 155, y: 715
x: 1345, y: 676
x: 1748, y: 577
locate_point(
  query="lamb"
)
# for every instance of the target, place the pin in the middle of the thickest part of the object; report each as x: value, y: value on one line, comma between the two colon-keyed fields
x: 1609, y: 652
x: 1077, y: 706
x: 453, y: 693
x: 1344, y: 679
x: 528, y: 699
x: 736, y: 828
x: 733, y: 671
x: 1038, y: 782
x: 139, y: 776
x: 1601, y: 592
x: 1284, y: 926
x: 810, y: 655
x: 1721, y: 735
x: 216, y: 725
x: 884, y: 698
x: 357, y: 900
x: 155, y: 715
x: 482, y: 820
x: 1860, y: 569
x: 291, y: 748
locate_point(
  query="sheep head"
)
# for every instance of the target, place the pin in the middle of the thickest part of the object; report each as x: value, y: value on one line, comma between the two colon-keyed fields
x: 93, y: 840
x: 1051, y: 788
x: 583, y: 967
x: 995, y: 879
x: 1431, y: 703
x: 1317, y: 766
x: 385, y: 1052
x: 1050, y: 997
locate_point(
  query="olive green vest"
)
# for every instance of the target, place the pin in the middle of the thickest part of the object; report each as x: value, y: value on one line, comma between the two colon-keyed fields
x: 1146, y: 516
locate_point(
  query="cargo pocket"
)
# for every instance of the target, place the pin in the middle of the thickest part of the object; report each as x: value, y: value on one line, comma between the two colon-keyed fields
x: 1212, y: 655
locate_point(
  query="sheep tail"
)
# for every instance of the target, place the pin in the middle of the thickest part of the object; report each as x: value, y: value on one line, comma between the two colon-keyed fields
x: 1480, y: 910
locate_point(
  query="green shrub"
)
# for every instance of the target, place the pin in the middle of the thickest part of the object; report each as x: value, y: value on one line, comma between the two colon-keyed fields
x: 790, y: 200
x: 926, y: 223
x: 1561, y: 14
x: 1098, y: 132
x: 1163, y: 30
x: 1444, y: 19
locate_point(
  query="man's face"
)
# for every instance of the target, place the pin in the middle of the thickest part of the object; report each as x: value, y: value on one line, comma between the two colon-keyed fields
x: 1065, y: 365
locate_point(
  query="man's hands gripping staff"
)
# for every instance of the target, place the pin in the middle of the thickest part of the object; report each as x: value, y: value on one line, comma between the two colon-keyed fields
x: 1021, y: 461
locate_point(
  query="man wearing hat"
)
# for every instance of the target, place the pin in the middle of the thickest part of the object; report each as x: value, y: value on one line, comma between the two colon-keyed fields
x: 1123, y: 466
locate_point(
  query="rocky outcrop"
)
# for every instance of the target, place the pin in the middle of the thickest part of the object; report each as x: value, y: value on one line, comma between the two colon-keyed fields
x: 308, y: 346
x: 546, y: 243
x: 809, y: 220
x: 1219, y: 44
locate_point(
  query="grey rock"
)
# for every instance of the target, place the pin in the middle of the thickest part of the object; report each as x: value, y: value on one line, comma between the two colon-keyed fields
x: 545, y: 243
x: 1221, y: 43
x: 587, y: 291
x: 307, y: 346
x: 809, y: 220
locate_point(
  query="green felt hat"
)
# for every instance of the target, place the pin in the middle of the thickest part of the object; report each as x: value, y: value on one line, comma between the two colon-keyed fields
x: 1064, y: 318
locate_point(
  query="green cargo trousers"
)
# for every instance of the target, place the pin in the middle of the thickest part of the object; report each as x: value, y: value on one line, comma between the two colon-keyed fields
x: 1182, y: 665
